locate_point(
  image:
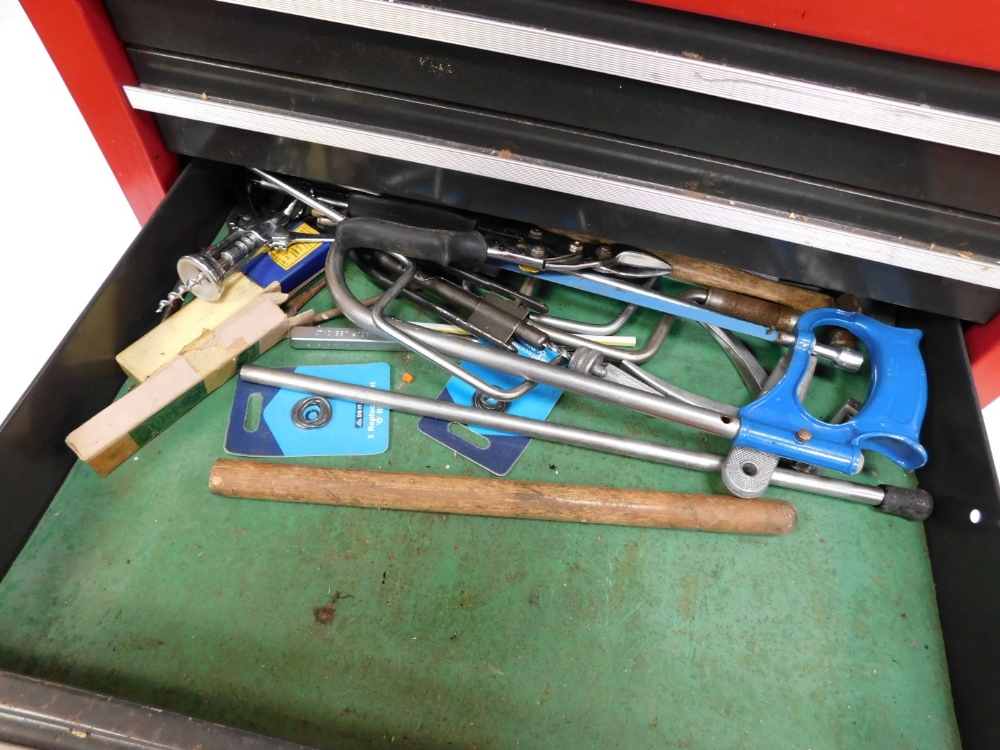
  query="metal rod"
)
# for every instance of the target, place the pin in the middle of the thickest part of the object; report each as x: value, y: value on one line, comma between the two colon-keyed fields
x: 335, y: 337
x: 427, y: 352
x: 638, y: 356
x: 553, y: 432
x: 489, y: 284
x: 598, y: 329
x: 314, y: 204
x: 422, y: 301
x: 595, y: 329
x: 608, y: 286
x: 746, y: 364
x: 514, y: 364
x: 672, y: 391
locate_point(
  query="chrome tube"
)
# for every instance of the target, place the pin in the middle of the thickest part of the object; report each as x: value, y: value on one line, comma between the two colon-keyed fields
x: 529, y: 369
x: 553, y: 432
x: 330, y: 213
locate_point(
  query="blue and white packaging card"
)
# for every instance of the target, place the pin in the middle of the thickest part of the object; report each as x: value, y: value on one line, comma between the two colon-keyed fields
x: 503, y: 449
x: 260, y: 423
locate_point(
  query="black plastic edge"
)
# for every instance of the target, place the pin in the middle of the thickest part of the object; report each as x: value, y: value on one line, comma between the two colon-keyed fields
x: 82, y: 377
x: 866, y: 279
x: 964, y: 554
x: 784, y: 141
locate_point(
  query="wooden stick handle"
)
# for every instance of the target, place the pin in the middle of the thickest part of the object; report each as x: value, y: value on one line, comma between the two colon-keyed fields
x: 706, y: 273
x: 499, y: 497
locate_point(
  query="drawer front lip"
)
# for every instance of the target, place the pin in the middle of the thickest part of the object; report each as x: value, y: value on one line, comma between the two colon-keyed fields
x: 81, y: 378
x: 672, y: 117
x: 904, y: 240
x: 632, y: 226
x: 34, y: 712
x: 631, y: 42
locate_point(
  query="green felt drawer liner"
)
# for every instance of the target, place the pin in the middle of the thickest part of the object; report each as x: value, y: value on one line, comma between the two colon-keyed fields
x: 343, y: 627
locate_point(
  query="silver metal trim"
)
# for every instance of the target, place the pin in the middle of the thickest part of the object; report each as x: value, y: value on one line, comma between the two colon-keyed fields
x: 870, y: 111
x: 844, y: 239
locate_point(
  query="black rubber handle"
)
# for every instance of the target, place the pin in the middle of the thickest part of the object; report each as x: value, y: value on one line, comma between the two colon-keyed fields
x: 408, y: 212
x: 438, y: 245
x: 916, y: 505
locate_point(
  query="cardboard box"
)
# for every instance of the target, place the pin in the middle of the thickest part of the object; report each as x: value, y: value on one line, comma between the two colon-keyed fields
x: 110, y: 437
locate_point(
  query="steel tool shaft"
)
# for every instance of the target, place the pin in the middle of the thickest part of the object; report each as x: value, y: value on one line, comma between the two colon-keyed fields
x: 559, y: 433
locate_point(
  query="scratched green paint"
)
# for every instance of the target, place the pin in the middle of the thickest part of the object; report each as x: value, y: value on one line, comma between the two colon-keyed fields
x: 342, y: 627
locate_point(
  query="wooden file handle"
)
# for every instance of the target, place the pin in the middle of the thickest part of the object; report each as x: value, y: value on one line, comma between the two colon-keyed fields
x: 706, y: 273
x: 499, y: 497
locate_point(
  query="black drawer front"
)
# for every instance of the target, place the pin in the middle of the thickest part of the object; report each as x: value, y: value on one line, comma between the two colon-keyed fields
x: 779, y: 140
x: 568, y: 213
x: 82, y: 376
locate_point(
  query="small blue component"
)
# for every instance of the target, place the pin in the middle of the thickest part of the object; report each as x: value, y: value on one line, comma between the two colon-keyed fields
x: 291, y: 268
x: 889, y: 423
x: 503, y: 449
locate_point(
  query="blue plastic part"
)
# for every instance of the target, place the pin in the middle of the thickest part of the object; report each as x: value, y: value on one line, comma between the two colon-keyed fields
x: 504, y: 448
x: 354, y: 429
x: 299, y: 263
x: 889, y: 422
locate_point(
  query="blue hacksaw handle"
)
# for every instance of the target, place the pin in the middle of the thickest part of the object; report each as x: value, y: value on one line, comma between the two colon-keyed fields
x: 889, y: 422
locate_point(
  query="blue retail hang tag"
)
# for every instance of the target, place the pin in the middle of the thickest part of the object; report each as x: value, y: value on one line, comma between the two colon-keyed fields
x: 262, y: 424
x: 501, y: 450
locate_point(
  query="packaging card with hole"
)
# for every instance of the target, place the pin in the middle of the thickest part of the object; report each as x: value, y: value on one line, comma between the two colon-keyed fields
x: 494, y: 450
x: 263, y: 419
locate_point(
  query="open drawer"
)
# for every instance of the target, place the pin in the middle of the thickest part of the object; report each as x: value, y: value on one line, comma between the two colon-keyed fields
x: 347, y: 627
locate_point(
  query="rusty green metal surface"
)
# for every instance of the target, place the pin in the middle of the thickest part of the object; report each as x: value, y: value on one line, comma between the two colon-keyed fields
x: 343, y: 627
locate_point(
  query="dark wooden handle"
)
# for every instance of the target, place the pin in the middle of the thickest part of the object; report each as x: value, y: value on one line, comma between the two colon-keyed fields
x: 706, y: 273
x: 499, y: 497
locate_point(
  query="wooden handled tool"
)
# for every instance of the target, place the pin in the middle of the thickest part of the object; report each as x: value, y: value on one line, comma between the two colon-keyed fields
x: 706, y: 273
x: 499, y: 497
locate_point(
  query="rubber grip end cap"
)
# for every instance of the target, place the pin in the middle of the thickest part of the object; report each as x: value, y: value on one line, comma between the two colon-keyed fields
x: 915, y: 505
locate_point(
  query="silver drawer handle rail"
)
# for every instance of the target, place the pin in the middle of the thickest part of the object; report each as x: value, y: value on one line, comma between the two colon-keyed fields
x: 794, y: 95
x: 844, y: 239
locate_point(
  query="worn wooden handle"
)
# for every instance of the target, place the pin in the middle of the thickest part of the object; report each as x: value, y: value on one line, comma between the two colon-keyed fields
x: 499, y: 497
x: 706, y: 273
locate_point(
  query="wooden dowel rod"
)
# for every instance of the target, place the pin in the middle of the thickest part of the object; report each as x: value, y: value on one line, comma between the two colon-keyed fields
x: 499, y: 497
